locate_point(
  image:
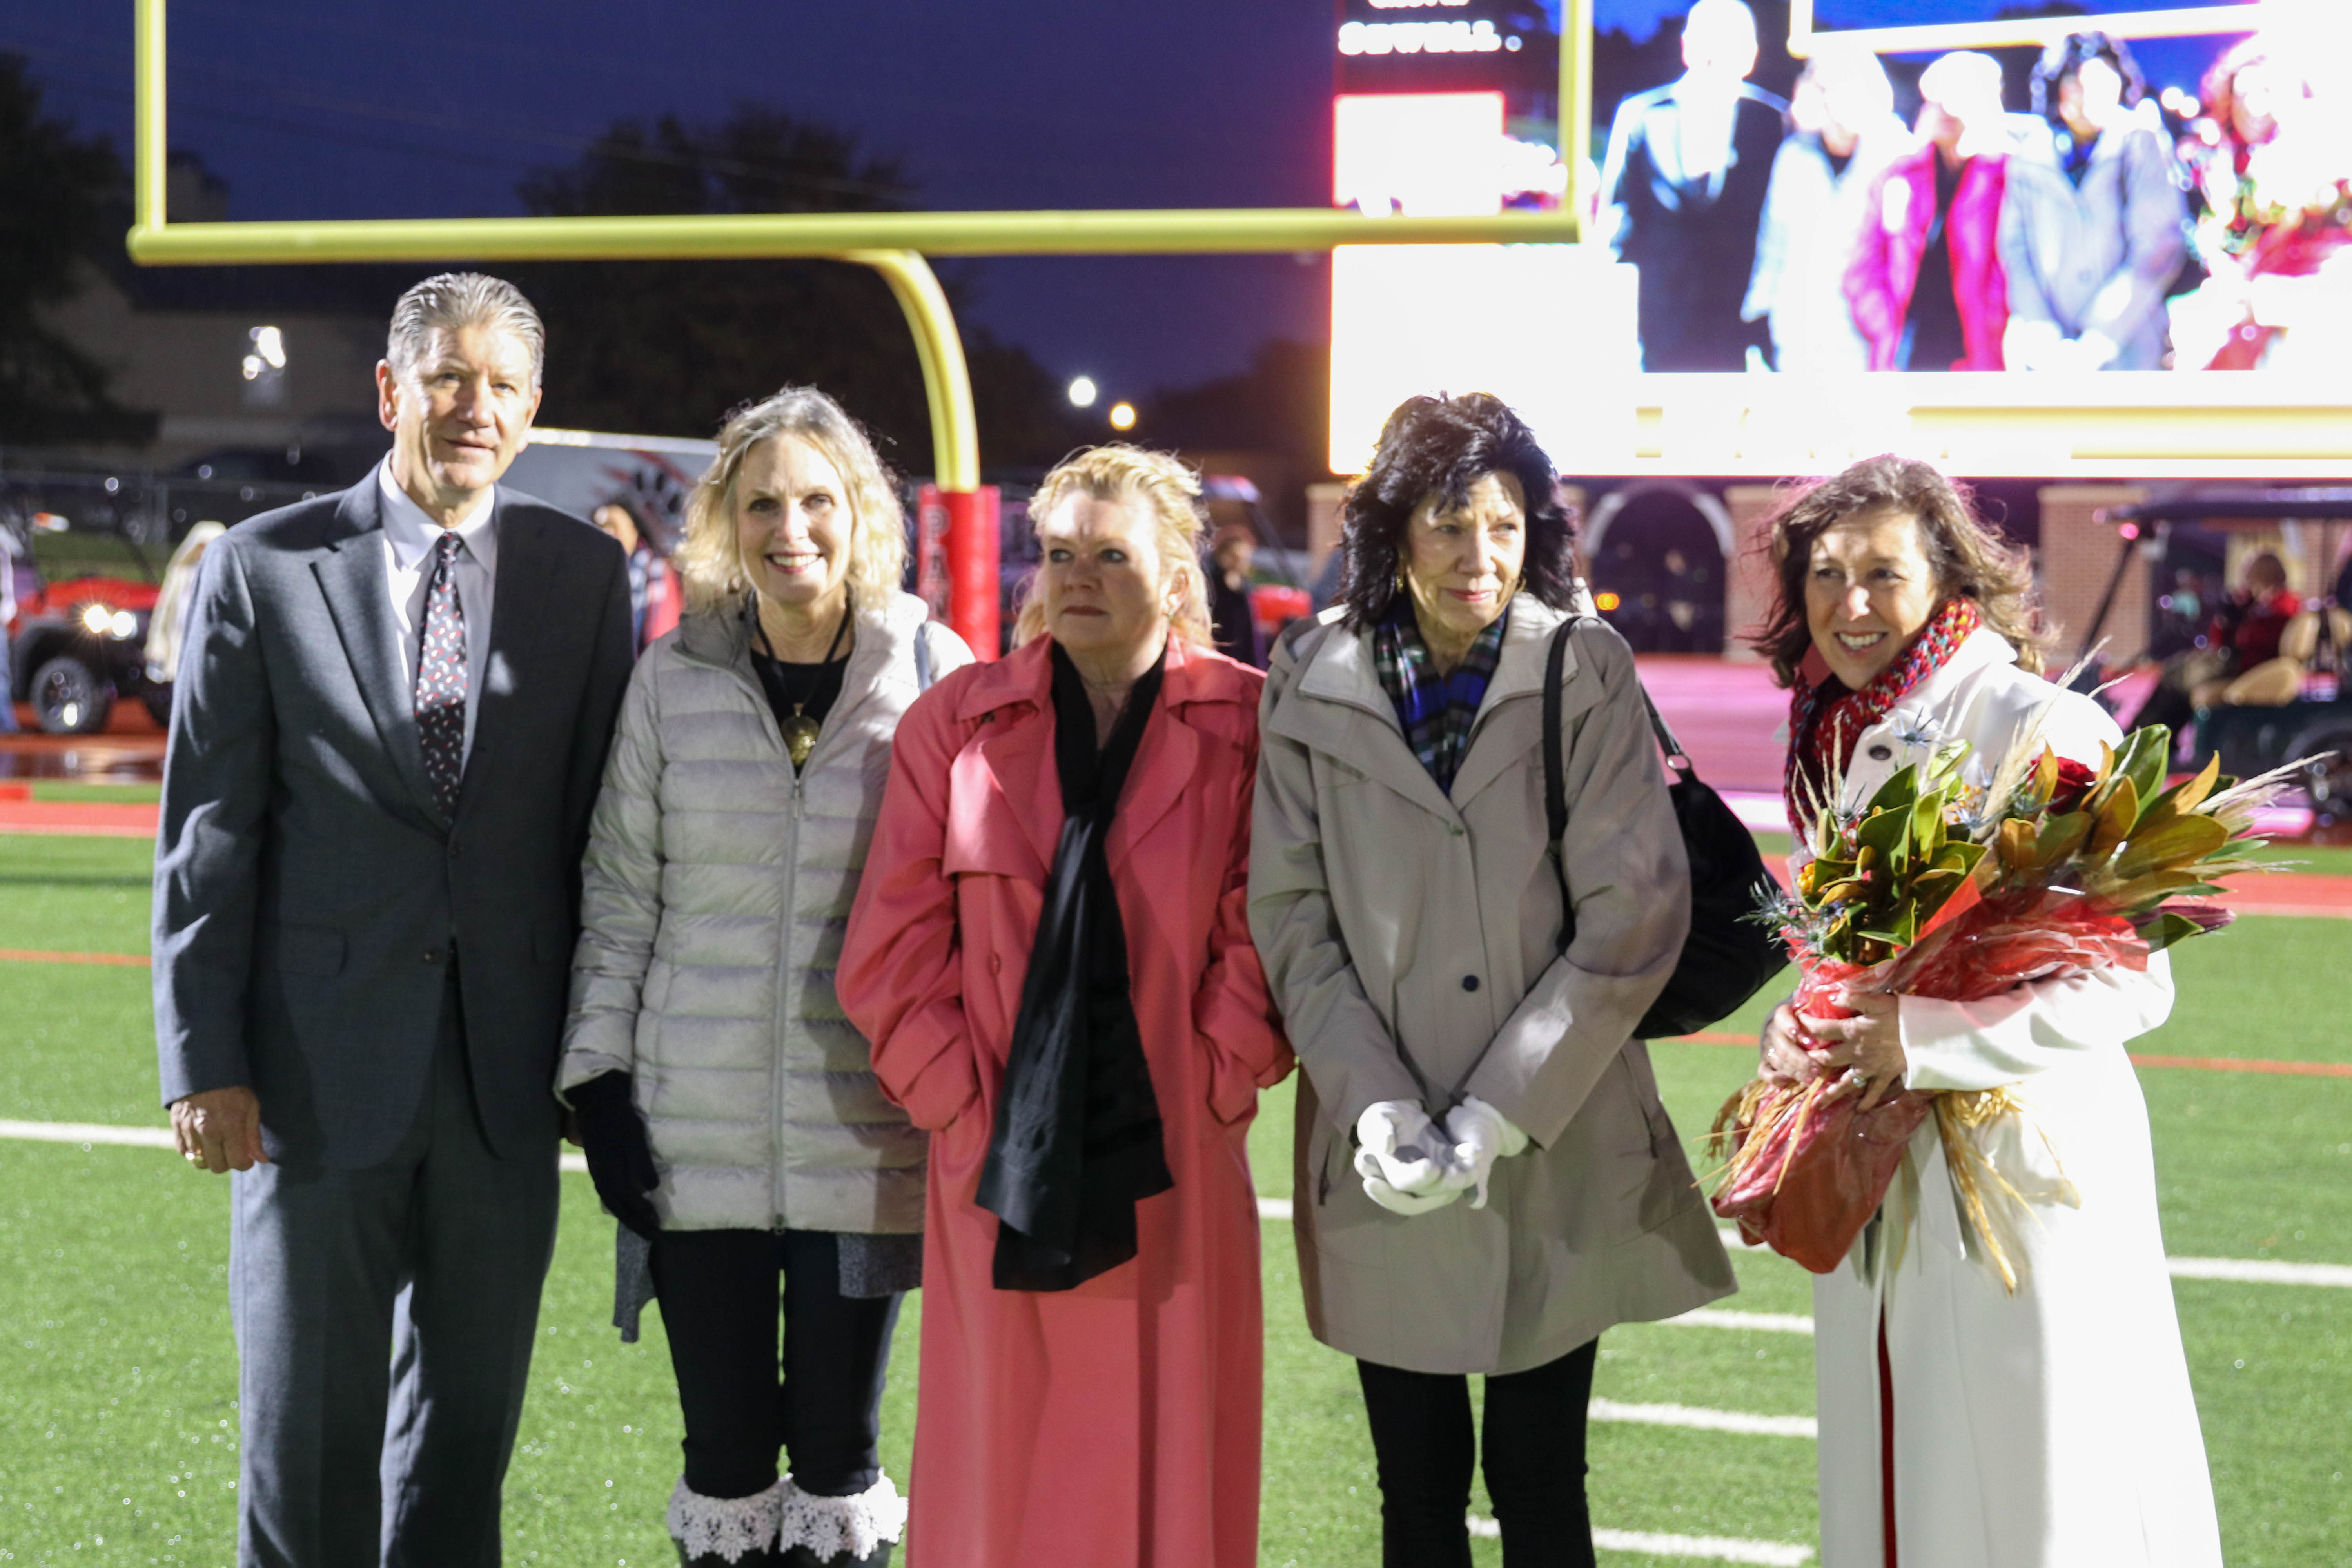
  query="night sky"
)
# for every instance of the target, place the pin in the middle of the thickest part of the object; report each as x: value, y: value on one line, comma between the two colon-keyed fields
x: 353, y: 109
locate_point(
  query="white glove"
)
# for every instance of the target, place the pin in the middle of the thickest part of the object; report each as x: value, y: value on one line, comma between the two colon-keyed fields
x: 1403, y: 1159
x: 1481, y: 1135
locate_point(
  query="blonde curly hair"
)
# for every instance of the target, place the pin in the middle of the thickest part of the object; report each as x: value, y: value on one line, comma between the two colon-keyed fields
x: 709, y: 557
x: 1173, y: 493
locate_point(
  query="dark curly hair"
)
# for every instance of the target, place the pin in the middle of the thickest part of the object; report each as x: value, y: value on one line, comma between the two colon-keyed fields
x: 1444, y: 446
x: 2067, y: 55
x: 1971, y: 561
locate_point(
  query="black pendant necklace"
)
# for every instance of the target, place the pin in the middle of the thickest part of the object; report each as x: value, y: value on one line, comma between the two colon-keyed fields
x: 799, y: 731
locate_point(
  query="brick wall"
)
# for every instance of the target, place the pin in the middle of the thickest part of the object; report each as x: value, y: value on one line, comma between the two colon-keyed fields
x: 1747, y: 576
x: 2078, y: 557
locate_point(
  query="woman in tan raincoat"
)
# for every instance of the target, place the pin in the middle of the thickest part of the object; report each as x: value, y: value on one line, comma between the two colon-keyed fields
x: 1486, y: 1180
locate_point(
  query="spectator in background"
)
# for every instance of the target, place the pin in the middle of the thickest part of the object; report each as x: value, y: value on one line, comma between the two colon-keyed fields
x: 1231, y: 619
x: 2245, y: 632
x: 2093, y: 229
x: 9, y: 550
x: 653, y: 586
x: 1684, y: 184
x: 1926, y: 282
x: 167, y: 625
x: 1843, y: 133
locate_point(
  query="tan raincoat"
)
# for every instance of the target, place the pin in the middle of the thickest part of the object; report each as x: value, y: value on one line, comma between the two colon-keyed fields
x: 1412, y: 942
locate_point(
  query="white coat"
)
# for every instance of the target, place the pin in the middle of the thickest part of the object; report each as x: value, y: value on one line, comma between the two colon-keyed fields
x: 2055, y: 1427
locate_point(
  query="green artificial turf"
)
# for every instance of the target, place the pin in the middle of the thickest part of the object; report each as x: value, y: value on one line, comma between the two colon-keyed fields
x: 70, y: 894
x: 74, y: 791
x: 122, y: 1376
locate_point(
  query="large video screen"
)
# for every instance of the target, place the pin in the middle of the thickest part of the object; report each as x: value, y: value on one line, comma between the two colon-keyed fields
x: 1883, y: 185
x: 2100, y: 202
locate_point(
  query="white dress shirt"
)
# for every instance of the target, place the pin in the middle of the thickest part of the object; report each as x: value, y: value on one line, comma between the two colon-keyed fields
x: 408, y: 545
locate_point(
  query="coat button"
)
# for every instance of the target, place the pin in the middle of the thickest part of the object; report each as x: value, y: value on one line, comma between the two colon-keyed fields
x: 1469, y: 983
x: 1881, y: 752
x: 996, y: 964
x: 432, y: 956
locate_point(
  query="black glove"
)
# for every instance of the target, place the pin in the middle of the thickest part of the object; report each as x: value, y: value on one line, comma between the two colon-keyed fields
x: 620, y: 1157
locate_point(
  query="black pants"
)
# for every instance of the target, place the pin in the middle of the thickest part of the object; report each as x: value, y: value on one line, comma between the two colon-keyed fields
x: 1534, y: 1443
x: 719, y: 1301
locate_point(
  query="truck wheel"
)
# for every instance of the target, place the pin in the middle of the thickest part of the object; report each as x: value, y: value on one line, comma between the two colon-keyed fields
x: 71, y: 697
x: 2327, y: 778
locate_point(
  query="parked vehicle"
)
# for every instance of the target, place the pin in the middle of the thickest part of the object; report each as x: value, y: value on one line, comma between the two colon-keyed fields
x: 2251, y: 738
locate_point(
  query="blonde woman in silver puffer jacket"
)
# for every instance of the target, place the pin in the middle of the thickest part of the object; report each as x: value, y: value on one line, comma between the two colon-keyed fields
x: 728, y: 1111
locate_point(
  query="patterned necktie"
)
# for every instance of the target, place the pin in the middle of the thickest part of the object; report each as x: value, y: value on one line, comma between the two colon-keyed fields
x: 441, y: 677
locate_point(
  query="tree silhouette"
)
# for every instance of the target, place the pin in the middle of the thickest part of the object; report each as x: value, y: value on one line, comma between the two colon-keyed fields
x: 58, y: 195
x: 668, y: 347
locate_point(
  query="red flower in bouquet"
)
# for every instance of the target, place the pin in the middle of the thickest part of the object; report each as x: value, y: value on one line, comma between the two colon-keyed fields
x: 2074, y: 782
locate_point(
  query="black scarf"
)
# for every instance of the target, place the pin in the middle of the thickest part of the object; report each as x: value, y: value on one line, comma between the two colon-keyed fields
x: 1078, y: 1138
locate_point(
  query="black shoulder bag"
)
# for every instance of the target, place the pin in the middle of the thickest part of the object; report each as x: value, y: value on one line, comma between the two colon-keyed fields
x: 1728, y: 956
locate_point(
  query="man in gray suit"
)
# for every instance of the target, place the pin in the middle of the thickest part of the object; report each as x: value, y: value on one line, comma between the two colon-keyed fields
x: 391, y: 716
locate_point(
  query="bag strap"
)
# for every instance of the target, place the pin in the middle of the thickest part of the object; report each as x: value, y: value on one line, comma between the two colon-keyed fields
x: 923, y: 656
x: 1555, y: 768
x: 1556, y: 765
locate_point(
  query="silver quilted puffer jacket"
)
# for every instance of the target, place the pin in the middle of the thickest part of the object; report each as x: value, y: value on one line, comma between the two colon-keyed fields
x: 716, y: 889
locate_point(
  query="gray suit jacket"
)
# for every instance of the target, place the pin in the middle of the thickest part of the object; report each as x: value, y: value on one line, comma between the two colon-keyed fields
x: 309, y: 897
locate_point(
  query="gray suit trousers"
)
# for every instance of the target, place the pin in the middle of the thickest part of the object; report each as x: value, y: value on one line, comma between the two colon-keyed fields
x: 385, y: 1320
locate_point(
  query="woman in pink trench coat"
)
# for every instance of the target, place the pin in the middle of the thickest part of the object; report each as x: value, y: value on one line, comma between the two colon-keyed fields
x: 1116, y: 1423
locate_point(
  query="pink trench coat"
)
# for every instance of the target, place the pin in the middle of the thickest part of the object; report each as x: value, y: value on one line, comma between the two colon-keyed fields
x: 1117, y: 1423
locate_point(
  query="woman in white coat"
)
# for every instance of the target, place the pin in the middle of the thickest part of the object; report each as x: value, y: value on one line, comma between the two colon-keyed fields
x: 1962, y: 1424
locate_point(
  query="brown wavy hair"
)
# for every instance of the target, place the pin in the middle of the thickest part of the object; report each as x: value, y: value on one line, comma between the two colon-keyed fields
x: 1970, y: 561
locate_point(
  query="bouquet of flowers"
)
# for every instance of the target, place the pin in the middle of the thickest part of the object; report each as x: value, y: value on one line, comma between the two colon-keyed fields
x: 1946, y: 888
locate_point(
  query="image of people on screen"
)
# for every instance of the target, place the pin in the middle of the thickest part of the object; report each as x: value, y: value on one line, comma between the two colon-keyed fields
x: 1683, y: 191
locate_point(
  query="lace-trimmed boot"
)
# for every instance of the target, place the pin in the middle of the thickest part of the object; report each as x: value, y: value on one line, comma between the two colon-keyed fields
x: 856, y: 1531
x: 727, y: 1532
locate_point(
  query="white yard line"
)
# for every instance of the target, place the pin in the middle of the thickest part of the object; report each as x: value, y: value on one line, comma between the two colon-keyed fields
x: 2256, y: 1271
x: 1709, y: 1548
x: 1761, y: 1322
x: 1691, y: 1417
x: 2240, y: 1271
x: 87, y: 1132
x: 2261, y: 1271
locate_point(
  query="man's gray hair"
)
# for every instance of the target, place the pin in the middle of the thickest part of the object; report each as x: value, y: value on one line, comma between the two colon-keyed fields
x: 447, y: 301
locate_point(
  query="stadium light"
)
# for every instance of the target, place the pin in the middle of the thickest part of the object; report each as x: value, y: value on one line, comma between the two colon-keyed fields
x: 1083, y: 392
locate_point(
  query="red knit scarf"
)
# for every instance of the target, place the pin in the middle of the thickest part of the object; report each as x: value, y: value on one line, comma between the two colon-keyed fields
x: 1825, y: 718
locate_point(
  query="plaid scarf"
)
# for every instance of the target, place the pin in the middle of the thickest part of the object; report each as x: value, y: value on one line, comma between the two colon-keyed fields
x: 1826, y: 717
x: 1435, y: 711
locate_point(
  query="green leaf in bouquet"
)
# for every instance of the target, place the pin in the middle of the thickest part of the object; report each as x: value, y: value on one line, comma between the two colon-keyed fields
x: 1885, y: 834
x: 1897, y: 793
x: 2146, y: 752
x: 2117, y: 814
x: 2181, y: 841
x: 1927, y: 823
x: 2152, y: 888
x: 2167, y: 929
x: 2014, y: 843
x: 2102, y: 780
x: 2181, y: 799
x: 2045, y: 777
x: 2062, y: 835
